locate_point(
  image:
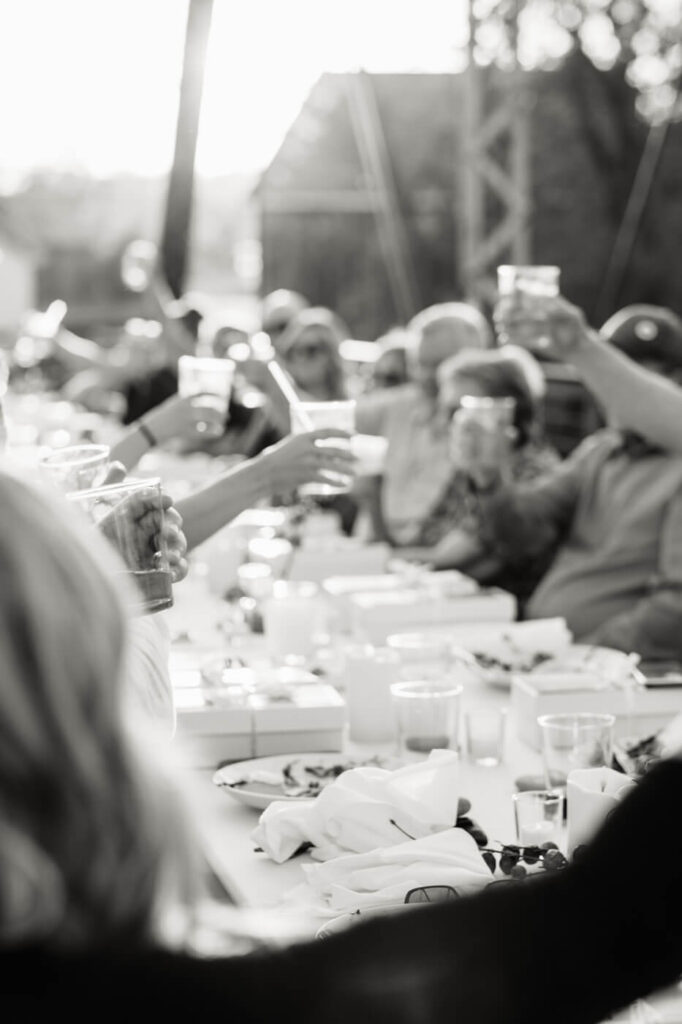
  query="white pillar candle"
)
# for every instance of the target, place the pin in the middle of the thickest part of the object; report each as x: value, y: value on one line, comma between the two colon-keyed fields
x: 367, y: 677
x: 591, y: 794
x: 291, y: 620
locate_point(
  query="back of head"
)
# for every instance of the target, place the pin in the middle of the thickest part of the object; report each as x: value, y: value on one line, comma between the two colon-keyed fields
x: 439, y: 332
x: 461, y: 322
x: 650, y: 335
x: 86, y: 834
x: 508, y: 372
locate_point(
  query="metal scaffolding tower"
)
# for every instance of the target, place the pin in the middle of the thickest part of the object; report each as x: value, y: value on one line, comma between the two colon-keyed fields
x: 493, y: 183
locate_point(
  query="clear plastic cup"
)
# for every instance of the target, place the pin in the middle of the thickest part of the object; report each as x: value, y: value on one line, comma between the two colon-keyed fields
x: 527, y: 286
x: 307, y: 416
x: 211, y: 379
x: 131, y: 517
x: 481, y: 432
x: 77, y: 467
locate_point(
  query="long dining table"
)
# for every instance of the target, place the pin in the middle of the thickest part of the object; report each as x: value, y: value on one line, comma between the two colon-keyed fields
x: 196, y: 625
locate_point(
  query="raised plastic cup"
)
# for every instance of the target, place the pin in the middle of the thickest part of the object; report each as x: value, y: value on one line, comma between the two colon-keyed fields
x: 131, y: 517
x: 76, y: 467
x: 307, y: 416
x: 527, y: 286
x: 211, y: 380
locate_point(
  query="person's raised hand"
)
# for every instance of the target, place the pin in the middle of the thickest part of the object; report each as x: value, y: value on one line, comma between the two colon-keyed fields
x: 549, y: 325
x: 191, y: 418
x: 318, y: 456
x: 147, y: 532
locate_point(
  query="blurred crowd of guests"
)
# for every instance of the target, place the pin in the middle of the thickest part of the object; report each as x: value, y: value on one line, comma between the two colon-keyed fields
x: 594, y: 536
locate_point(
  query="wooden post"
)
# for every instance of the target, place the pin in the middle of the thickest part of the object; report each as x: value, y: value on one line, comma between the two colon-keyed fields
x: 381, y: 188
x: 178, y: 214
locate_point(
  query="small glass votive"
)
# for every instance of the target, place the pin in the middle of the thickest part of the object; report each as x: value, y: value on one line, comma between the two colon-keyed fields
x: 538, y: 814
x: 426, y: 715
x: 484, y: 730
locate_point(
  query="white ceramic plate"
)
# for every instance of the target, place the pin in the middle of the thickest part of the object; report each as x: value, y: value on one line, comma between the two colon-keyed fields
x: 615, y: 666
x: 291, y: 777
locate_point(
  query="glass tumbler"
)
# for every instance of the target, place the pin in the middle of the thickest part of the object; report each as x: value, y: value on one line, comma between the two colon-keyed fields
x: 426, y: 715
x: 580, y: 740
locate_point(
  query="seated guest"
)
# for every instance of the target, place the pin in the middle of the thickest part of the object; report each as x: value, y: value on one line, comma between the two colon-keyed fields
x: 639, y: 399
x: 418, y: 468
x: 450, y: 533
x: 611, y: 515
x: 278, y: 309
x: 104, y: 891
x: 309, y: 350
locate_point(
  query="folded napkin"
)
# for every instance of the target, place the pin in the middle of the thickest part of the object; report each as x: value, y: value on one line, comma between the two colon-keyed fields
x: 591, y: 795
x: 365, y: 808
x: 385, y: 875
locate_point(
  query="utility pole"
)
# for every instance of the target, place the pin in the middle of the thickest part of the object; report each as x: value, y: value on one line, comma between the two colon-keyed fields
x: 178, y: 215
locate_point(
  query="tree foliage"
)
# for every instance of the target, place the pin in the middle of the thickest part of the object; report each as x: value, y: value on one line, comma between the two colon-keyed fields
x: 641, y: 37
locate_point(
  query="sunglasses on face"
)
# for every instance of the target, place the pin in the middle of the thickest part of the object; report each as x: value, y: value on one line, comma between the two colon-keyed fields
x: 388, y: 380
x: 307, y: 350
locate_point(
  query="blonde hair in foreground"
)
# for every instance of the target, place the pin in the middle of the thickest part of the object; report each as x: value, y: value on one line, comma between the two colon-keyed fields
x: 94, y: 838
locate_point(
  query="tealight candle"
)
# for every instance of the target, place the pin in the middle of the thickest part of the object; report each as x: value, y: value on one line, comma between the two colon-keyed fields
x: 538, y: 814
x: 537, y: 833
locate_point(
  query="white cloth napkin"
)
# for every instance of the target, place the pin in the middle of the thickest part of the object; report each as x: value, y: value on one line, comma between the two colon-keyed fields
x: 591, y: 795
x: 365, y: 808
x: 385, y: 875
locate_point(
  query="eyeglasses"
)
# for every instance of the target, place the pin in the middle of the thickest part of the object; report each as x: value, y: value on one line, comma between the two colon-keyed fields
x: 431, y: 894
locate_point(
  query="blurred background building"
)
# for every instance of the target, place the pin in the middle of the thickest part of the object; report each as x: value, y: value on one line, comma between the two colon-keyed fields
x: 370, y: 158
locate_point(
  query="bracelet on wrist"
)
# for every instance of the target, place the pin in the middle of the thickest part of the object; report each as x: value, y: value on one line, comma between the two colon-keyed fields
x: 147, y: 434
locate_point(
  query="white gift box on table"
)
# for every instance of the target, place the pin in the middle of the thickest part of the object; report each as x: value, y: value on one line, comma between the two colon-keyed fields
x: 375, y: 615
x: 639, y: 710
x: 217, y: 725
x: 340, y: 589
x: 320, y: 557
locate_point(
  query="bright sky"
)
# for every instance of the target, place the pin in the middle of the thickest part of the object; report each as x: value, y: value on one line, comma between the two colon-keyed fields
x: 93, y: 84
